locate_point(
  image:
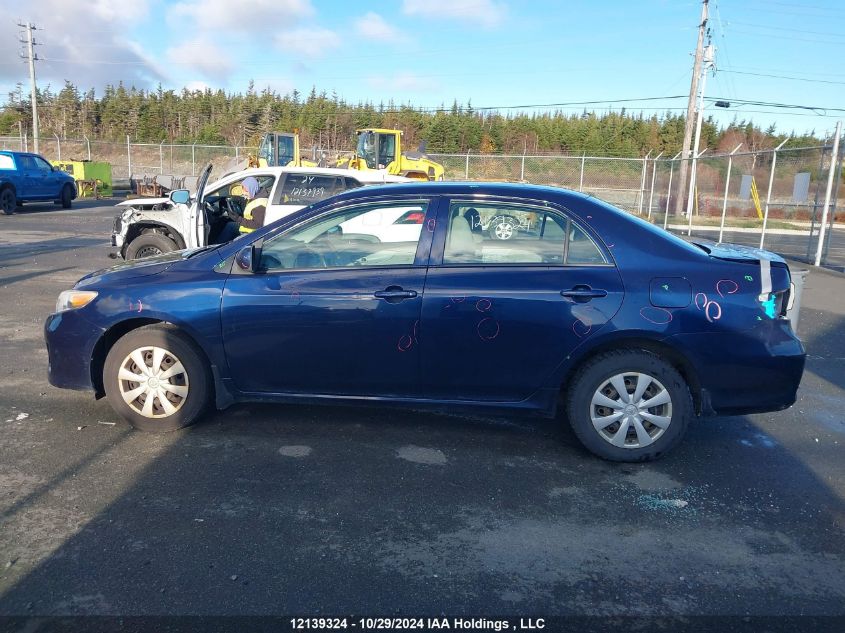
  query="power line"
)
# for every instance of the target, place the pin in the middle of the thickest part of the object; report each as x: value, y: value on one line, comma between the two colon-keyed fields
x: 817, y: 81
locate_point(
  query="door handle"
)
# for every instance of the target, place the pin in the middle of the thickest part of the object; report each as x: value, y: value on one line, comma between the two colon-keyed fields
x: 395, y: 294
x: 583, y: 294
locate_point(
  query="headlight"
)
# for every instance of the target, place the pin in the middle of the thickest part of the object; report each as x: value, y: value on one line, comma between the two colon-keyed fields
x: 73, y: 299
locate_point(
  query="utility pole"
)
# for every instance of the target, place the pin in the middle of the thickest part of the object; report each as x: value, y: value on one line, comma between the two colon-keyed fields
x: 32, y: 57
x: 689, y: 122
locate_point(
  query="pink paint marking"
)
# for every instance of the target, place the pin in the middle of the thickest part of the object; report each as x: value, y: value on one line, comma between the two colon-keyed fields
x: 726, y: 282
x: 483, y: 305
x: 405, y: 343
x: 581, y: 328
x: 704, y: 301
x: 711, y: 317
x: 658, y: 316
x: 416, y: 330
x: 488, y: 323
x: 431, y: 225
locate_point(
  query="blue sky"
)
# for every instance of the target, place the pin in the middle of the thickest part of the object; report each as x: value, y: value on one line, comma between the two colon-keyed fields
x: 496, y: 53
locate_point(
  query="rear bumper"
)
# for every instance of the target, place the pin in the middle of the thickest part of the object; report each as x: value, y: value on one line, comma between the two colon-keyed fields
x: 746, y: 372
x: 70, y: 342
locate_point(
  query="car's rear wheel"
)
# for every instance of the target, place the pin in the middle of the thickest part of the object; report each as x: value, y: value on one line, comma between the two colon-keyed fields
x: 67, y: 197
x: 148, y: 245
x: 629, y: 406
x: 503, y: 227
x: 8, y: 201
x: 157, y: 379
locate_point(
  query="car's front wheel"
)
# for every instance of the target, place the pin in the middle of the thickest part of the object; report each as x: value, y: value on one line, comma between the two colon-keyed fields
x: 149, y: 245
x: 67, y: 197
x: 8, y: 201
x: 157, y: 379
x: 629, y: 406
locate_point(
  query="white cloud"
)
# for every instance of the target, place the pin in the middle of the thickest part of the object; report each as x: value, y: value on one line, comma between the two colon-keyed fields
x: 90, y: 52
x: 374, y: 27
x: 193, y: 86
x: 402, y: 81
x: 308, y: 42
x: 202, y: 55
x: 487, y: 13
x: 245, y: 16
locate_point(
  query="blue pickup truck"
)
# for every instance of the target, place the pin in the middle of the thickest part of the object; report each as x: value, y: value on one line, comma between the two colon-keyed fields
x: 26, y: 177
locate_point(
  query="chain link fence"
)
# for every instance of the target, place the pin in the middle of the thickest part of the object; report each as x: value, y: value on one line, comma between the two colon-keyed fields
x: 768, y: 198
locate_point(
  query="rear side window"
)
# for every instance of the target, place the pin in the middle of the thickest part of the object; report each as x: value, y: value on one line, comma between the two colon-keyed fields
x: 6, y: 162
x: 490, y: 233
x: 306, y: 189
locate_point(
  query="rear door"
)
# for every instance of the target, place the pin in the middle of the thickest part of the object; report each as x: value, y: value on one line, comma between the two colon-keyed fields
x: 499, y: 316
x: 299, y: 189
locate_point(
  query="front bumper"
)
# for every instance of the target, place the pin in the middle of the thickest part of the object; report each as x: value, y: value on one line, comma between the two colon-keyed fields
x: 746, y: 372
x: 70, y: 342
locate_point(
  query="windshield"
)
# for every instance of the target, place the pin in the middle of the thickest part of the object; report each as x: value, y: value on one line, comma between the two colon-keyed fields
x: 266, y: 148
x: 367, y: 148
x: 285, y: 150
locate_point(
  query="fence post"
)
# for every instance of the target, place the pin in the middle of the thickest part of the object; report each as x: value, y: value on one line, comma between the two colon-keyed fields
x: 669, y: 190
x: 193, y: 160
x: 522, y: 171
x: 161, y: 157
x: 581, y: 180
x: 129, y: 160
x: 727, y: 184
x: 653, y: 176
x: 692, y: 190
x: 642, y: 184
x: 237, y: 155
x: 466, y: 170
x: 88, y: 145
x: 171, y: 158
x: 58, y: 146
x: 834, y: 156
x: 769, y: 193
x: 26, y: 141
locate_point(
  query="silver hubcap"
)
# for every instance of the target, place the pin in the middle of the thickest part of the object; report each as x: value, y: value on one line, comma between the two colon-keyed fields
x: 504, y: 230
x: 631, y: 410
x: 153, y: 382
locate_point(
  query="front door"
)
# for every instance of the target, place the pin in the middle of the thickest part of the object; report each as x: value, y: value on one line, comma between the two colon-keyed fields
x: 500, y: 315
x: 332, y: 311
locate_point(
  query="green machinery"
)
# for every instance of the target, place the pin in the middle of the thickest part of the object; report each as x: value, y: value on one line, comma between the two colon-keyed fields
x: 92, y: 177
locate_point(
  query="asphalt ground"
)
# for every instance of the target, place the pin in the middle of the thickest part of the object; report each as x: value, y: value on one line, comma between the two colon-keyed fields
x: 353, y: 511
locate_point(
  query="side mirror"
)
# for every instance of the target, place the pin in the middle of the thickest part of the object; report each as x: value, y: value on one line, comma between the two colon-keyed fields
x: 249, y: 257
x: 179, y: 196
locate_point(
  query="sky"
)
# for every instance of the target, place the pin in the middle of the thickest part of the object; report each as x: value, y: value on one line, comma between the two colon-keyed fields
x: 428, y: 53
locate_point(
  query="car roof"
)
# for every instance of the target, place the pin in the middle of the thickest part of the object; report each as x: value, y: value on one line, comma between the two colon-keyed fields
x: 360, y: 175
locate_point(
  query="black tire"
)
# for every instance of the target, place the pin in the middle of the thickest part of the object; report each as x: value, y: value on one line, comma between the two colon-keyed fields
x: 194, y: 382
x: 8, y: 201
x: 148, y: 245
x: 503, y: 227
x: 67, y: 197
x: 596, y: 374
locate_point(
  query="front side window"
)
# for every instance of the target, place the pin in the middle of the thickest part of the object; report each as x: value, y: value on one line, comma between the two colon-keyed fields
x: 364, y: 235
x: 285, y: 150
x: 42, y: 164
x: 386, y: 150
x: 366, y: 148
x: 493, y: 233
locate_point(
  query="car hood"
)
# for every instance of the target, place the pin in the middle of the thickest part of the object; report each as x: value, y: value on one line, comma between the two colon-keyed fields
x: 737, y: 253
x: 136, y: 268
x: 142, y: 201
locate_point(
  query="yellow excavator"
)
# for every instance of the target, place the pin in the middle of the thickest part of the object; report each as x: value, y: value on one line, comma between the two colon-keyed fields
x: 381, y: 149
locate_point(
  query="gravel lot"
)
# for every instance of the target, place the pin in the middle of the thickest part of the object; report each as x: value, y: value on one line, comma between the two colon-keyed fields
x: 333, y: 510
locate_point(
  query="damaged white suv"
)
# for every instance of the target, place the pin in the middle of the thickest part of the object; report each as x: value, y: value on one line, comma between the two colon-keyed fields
x: 151, y: 226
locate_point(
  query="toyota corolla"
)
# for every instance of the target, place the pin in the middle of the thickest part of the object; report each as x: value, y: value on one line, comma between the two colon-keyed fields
x: 627, y: 330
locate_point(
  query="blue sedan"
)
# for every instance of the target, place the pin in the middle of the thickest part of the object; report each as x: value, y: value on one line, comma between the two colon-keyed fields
x: 406, y: 294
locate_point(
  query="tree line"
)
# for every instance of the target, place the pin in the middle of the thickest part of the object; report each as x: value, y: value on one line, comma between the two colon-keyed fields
x: 325, y: 120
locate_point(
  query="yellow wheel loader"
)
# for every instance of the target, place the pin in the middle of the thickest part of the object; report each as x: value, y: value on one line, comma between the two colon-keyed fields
x: 381, y: 149
x: 281, y: 149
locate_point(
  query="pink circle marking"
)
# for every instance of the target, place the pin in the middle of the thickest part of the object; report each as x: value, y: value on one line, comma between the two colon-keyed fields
x: 405, y: 343
x: 483, y: 305
x: 709, y: 316
x: 581, y: 328
x: 726, y: 281
x: 486, y: 336
x: 658, y: 316
x: 703, y: 303
x: 431, y: 224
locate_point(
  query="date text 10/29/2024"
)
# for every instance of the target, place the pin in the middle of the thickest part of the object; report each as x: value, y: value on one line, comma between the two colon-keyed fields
x: 419, y: 624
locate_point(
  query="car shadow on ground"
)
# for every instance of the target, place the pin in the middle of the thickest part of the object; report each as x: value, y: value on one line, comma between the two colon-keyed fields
x: 80, y: 203
x: 276, y: 509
